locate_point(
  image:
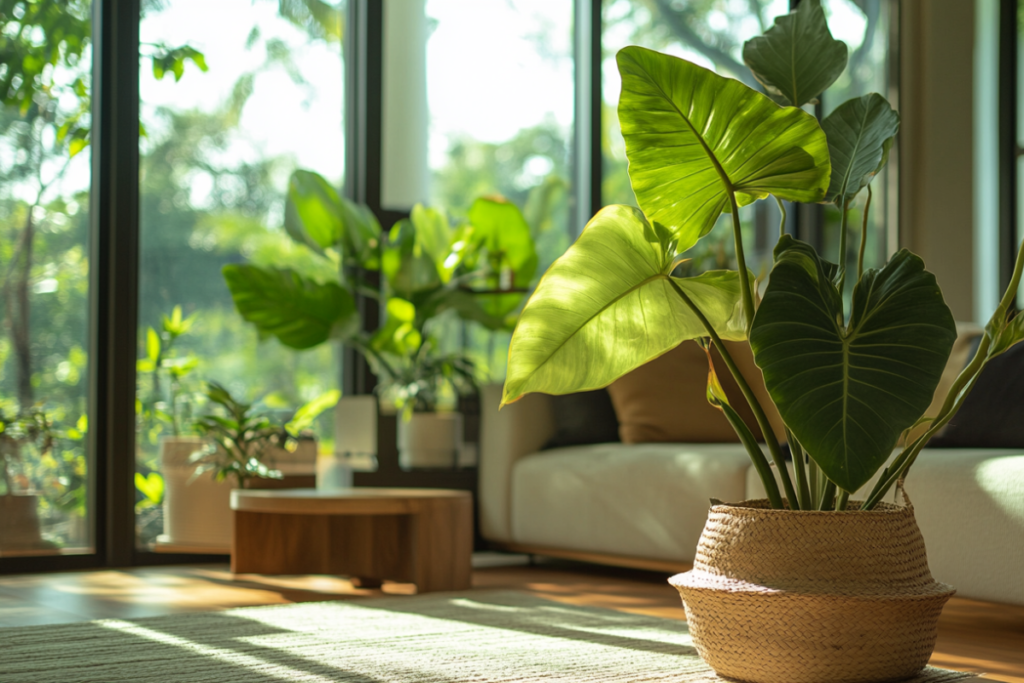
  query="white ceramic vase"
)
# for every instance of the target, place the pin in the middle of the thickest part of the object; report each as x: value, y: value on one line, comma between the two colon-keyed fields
x: 430, y: 440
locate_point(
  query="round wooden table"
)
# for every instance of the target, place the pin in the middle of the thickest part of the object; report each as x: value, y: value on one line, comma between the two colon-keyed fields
x: 422, y: 536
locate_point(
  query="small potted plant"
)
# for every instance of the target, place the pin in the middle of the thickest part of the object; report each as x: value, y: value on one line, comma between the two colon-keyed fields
x: 19, y: 521
x: 238, y: 445
x: 806, y: 585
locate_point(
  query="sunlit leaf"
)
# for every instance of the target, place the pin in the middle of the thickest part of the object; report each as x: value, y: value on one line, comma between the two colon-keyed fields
x: 609, y: 305
x: 299, y: 312
x: 692, y: 136
x: 305, y: 415
x: 848, y: 391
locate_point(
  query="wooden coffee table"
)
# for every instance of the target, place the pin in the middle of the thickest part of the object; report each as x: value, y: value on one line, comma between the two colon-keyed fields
x: 422, y: 536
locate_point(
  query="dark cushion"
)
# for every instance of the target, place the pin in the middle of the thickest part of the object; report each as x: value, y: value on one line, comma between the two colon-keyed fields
x: 992, y: 415
x: 584, y: 418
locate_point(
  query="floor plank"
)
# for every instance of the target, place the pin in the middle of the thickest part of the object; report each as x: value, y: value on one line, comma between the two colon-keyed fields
x: 973, y: 636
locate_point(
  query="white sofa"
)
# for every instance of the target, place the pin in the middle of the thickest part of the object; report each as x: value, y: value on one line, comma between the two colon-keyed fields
x: 645, y: 505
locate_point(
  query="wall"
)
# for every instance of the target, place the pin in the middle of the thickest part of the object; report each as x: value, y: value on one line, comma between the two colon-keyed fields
x: 936, y: 143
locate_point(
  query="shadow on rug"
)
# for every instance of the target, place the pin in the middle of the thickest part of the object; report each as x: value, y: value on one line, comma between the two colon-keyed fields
x: 478, y: 636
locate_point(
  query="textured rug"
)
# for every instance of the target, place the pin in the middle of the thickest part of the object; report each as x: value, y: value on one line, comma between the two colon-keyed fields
x: 478, y: 636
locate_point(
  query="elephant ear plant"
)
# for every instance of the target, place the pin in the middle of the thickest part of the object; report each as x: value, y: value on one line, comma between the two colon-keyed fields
x: 848, y: 382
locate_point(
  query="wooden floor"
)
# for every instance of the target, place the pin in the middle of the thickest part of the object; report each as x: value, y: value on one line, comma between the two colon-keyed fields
x: 973, y: 636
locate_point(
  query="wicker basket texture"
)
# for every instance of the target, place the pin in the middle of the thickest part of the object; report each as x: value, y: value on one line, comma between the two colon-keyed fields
x: 781, y: 596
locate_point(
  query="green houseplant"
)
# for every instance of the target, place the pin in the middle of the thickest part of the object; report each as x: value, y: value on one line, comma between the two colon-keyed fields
x: 848, y: 379
x: 422, y: 270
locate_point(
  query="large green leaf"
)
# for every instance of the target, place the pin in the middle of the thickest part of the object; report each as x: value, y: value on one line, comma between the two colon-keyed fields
x: 860, y: 133
x: 848, y: 391
x: 410, y: 269
x: 317, y: 216
x: 313, y: 211
x: 797, y: 58
x: 608, y: 305
x: 692, y: 136
x: 299, y: 312
x: 500, y: 230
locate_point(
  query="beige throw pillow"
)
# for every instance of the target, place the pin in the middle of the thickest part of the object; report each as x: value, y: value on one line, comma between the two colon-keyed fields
x: 666, y: 400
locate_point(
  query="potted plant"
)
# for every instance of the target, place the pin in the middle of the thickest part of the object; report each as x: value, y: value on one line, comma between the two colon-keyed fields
x: 19, y: 521
x: 807, y: 585
x: 477, y: 271
x: 237, y: 445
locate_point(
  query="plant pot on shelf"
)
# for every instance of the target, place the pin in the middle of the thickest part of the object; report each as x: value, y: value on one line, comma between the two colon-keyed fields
x: 197, y: 510
x: 782, y: 596
x: 19, y: 524
x: 430, y: 440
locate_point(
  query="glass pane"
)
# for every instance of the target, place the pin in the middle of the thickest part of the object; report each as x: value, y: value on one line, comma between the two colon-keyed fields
x: 864, y: 27
x: 478, y: 100
x: 45, y: 178
x: 712, y: 34
x: 231, y: 105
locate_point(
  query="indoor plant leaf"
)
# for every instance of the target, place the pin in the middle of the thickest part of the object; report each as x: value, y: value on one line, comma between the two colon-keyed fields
x: 313, y: 212
x: 797, y: 58
x: 860, y: 134
x: 361, y: 235
x: 848, y: 391
x: 299, y: 312
x: 500, y: 229
x: 609, y: 305
x: 408, y: 267
x: 433, y: 237
x: 692, y: 135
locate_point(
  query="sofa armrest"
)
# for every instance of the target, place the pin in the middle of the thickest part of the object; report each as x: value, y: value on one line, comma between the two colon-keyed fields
x: 507, y: 435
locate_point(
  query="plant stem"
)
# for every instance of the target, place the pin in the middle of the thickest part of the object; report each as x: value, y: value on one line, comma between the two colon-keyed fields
x: 755, y: 405
x: 815, y: 481
x: 842, y: 500
x: 797, y: 451
x: 841, y: 274
x: 741, y: 264
x: 863, y: 237
x: 764, y: 470
x: 828, y: 496
x: 782, y: 223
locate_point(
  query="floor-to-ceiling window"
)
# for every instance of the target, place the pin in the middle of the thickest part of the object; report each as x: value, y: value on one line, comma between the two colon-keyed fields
x: 235, y: 96
x: 45, y: 178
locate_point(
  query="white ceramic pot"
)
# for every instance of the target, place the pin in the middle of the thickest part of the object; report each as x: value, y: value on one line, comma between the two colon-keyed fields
x: 430, y: 440
x: 197, y: 511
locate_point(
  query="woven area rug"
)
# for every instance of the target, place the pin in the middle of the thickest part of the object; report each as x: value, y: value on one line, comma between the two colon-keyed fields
x: 476, y: 636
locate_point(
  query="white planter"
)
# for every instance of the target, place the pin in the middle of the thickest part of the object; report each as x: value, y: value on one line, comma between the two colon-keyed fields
x: 197, y: 511
x: 430, y: 440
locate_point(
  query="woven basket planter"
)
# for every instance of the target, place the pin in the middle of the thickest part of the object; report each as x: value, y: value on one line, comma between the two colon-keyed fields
x: 781, y: 596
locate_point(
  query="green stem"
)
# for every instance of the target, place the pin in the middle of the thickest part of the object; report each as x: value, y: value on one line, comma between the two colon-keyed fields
x: 782, y: 223
x: 748, y: 394
x: 863, y: 237
x: 828, y: 496
x: 803, y: 490
x: 842, y: 500
x: 815, y: 480
x: 764, y: 470
x: 841, y: 274
x: 741, y: 264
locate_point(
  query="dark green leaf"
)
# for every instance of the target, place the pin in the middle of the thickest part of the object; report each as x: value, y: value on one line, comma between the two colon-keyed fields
x: 692, y: 135
x: 860, y: 133
x: 848, y: 391
x: 797, y: 58
x: 299, y: 312
x: 408, y: 267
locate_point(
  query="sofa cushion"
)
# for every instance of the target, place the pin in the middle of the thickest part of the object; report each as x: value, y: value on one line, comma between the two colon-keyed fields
x: 991, y: 414
x: 647, y: 501
x: 666, y: 400
x: 583, y: 418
